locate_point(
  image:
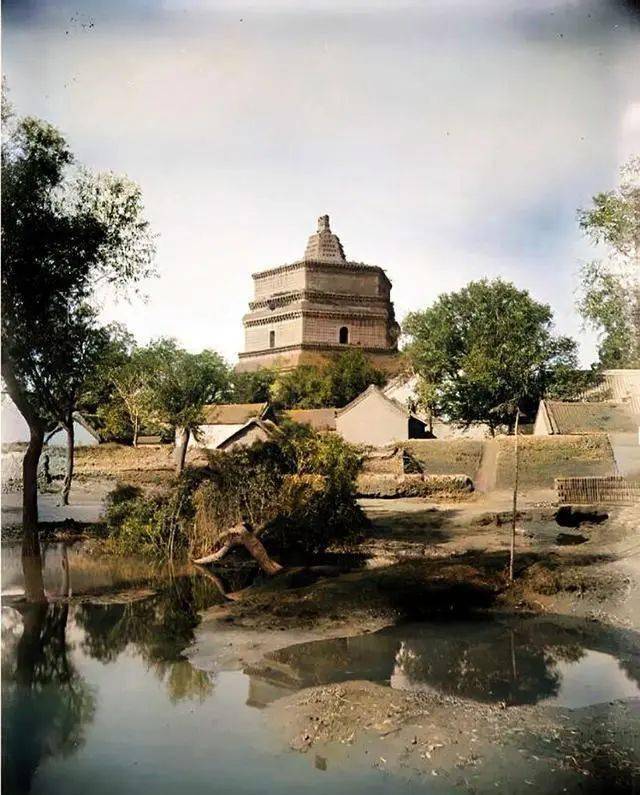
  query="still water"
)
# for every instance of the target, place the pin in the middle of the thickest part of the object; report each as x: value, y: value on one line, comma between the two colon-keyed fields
x: 98, y: 697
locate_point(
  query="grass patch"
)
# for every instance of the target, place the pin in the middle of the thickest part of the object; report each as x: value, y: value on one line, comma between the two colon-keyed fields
x: 543, y: 458
x: 447, y: 456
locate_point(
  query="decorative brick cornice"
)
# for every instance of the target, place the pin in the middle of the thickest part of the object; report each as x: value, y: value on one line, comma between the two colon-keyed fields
x: 270, y: 320
x: 321, y: 266
x: 317, y: 346
x: 318, y: 296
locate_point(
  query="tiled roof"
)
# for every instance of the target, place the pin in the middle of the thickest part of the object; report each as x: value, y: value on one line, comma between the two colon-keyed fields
x: 233, y: 413
x: 606, y: 416
x: 318, y: 419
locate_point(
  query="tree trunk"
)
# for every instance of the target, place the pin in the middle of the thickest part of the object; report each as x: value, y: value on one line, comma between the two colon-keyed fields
x: 68, y: 475
x: 31, y: 558
x: 240, y: 535
x: 181, y: 450
x: 512, y: 551
x: 136, y: 431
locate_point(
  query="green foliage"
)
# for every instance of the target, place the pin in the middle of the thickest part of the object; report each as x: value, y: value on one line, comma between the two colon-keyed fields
x: 129, y: 407
x: 299, y: 489
x: 320, y: 504
x: 183, y: 383
x: 571, y: 384
x: 304, y: 387
x: 610, y: 288
x: 335, y: 384
x: 62, y: 233
x: 484, y: 349
x: 151, y: 525
x: 348, y: 375
x: 252, y: 387
x: 608, y: 303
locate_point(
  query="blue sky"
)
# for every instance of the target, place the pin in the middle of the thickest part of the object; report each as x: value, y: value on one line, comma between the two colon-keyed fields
x: 447, y: 140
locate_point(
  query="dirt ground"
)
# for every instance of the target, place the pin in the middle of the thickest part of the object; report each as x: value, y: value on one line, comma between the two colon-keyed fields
x: 424, y: 561
x: 472, y: 746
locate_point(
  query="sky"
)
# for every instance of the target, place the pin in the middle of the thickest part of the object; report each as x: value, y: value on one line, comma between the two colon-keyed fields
x: 448, y: 140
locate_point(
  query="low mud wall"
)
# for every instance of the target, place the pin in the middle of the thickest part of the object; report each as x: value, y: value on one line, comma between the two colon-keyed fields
x: 389, y: 486
x: 446, y: 456
x: 598, y: 490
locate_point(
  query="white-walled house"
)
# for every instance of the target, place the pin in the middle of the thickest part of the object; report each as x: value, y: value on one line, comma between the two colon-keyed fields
x: 14, y: 428
x: 374, y: 419
x: 223, y: 421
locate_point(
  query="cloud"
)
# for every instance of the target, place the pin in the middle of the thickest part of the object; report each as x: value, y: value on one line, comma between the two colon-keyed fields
x: 445, y: 145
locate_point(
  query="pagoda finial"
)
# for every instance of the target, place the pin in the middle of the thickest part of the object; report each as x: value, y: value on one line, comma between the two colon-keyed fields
x: 324, y: 246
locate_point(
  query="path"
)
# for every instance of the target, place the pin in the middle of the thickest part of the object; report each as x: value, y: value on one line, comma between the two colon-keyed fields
x: 87, y: 504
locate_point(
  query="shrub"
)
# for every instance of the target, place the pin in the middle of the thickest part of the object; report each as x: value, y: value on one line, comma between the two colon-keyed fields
x: 150, y: 525
x: 298, y: 492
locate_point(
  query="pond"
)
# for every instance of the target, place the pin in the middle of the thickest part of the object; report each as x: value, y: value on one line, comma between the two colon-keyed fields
x: 98, y: 696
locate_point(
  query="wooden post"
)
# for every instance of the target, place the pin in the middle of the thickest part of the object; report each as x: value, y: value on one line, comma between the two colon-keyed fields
x: 515, y: 499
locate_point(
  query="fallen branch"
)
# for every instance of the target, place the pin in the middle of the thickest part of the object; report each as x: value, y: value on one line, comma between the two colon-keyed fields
x: 237, y: 536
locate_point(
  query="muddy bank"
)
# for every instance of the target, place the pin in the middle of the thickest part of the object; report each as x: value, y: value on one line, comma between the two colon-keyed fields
x: 342, y: 677
x: 466, y: 745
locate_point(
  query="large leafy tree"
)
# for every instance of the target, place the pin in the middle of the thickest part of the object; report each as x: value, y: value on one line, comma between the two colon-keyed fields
x: 182, y: 384
x: 304, y: 387
x: 348, y: 375
x: 610, y: 286
x: 253, y: 387
x: 335, y: 383
x: 487, y: 351
x: 64, y: 231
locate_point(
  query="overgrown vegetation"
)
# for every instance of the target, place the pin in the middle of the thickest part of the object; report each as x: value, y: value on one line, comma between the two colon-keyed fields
x: 334, y: 384
x: 610, y: 287
x: 297, y: 491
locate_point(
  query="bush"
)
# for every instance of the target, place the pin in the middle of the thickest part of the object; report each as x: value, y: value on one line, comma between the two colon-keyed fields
x: 298, y: 491
x: 150, y: 525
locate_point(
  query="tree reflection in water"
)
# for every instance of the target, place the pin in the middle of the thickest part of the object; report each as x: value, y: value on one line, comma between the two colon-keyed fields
x: 515, y: 662
x: 47, y: 704
x: 157, y: 628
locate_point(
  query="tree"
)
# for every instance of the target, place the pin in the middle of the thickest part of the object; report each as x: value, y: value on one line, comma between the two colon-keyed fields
x: 63, y: 233
x: 305, y: 387
x: 66, y: 369
x: 336, y: 383
x: 348, y: 375
x: 253, y: 387
x: 610, y: 287
x: 132, y: 393
x: 182, y: 384
x: 485, y: 349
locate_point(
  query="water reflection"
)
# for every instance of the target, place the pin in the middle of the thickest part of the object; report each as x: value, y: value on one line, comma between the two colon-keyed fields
x: 510, y: 661
x: 98, y: 677
x: 46, y: 704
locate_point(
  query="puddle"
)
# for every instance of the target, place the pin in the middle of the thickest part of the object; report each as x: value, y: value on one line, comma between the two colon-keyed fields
x: 515, y: 661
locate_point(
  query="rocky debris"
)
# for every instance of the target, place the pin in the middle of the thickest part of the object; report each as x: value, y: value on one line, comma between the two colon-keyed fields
x: 475, y: 746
